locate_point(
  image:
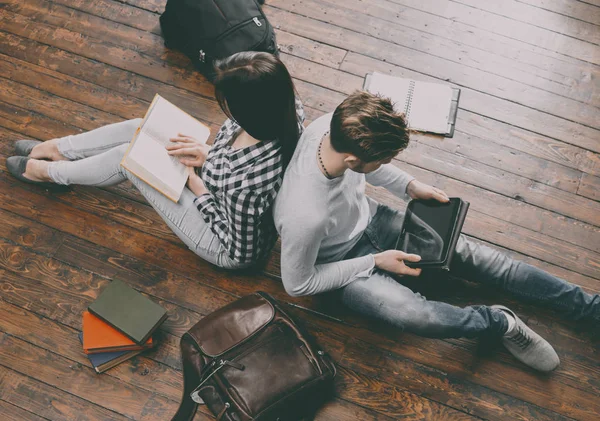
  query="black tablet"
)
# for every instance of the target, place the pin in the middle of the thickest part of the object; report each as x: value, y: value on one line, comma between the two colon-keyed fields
x: 431, y: 230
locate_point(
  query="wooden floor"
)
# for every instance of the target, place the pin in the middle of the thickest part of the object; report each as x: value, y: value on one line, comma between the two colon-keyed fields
x: 526, y: 154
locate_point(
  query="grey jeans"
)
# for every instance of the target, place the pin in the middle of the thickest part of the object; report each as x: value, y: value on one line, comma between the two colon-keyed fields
x: 384, y: 297
x: 95, y: 160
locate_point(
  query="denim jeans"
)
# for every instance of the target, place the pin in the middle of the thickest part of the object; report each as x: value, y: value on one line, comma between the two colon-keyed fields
x: 95, y: 160
x: 384, y: 297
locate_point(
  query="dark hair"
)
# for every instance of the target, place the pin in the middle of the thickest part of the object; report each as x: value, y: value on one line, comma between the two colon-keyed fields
x: 256, y: 90
x: 366, y: 126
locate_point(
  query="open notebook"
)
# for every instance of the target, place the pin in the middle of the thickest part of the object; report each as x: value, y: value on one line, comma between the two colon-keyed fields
x: 429, y: 107
x: 147, y: 157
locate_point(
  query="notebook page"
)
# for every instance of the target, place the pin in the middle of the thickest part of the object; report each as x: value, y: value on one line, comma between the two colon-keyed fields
x: 430, y: 107
x: 151, y: 155
x: 392, y: 87
x: 167, y: 121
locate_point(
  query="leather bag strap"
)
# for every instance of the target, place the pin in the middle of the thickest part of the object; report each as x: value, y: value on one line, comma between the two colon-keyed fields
x: 187, y: 407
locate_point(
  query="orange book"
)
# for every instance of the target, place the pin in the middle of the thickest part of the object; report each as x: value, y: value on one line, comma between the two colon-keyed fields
x: 99, y: 336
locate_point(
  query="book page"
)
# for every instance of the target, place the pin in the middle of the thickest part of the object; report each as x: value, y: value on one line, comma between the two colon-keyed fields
x: 152, y: 156
x: 430, y: 107
x: 166, y: 121
x: 392, y: 87
x: 148, y: 158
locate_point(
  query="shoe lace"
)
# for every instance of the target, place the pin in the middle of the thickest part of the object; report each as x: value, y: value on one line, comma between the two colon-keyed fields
x: 521, y: 339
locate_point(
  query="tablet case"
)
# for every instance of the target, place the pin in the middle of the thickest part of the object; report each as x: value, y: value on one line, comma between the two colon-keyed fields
x: 455, y: 234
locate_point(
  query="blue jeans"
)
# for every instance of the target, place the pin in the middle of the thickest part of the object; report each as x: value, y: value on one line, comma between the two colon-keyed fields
x: 95, y: 160
x: 384, y: 297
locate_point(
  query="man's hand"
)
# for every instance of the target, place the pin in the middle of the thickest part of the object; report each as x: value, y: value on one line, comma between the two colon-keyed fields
x: 195, y: 183
x: 393, y: 261
x: 418, y: 190
x: 190, y: 152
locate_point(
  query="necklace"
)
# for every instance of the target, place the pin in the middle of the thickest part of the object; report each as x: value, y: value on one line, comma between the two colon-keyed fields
x: 321, y: 159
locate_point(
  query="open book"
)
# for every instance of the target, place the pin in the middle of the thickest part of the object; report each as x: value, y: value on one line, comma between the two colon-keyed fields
x: 429, y: 107
x: 147, y: 157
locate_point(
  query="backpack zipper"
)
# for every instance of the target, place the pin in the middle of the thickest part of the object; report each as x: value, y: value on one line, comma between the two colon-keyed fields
x: 256, y: 21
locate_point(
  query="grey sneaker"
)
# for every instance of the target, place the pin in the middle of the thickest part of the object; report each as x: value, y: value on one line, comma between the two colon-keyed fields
x: 529, y: 347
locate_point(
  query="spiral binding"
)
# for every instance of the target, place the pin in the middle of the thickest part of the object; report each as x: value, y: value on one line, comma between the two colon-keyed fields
x: 408, y: 103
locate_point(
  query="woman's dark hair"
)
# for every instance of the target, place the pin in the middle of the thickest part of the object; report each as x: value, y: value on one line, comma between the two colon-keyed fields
x: 256, y: 90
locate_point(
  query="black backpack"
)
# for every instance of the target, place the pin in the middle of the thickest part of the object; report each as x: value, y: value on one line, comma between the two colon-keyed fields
x: 206, y: 30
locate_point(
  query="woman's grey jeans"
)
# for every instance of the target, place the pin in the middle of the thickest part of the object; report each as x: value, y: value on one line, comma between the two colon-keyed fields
x: 95, y: 160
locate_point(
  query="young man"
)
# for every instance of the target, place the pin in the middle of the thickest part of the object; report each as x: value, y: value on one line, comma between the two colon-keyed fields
x: 334, y: 237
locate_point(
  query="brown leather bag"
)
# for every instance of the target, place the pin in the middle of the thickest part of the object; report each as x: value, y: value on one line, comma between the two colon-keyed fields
x: 248, y: 361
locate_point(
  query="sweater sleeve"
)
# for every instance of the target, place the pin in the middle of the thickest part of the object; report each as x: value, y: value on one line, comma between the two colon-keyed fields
x: 300, y: 243
x: 392, y: 178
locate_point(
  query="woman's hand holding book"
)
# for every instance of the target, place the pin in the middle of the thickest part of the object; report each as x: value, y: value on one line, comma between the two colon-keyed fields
x: 190, y: 151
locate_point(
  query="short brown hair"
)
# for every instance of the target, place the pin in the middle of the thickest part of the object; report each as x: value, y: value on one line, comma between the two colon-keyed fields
x: 366, y: 126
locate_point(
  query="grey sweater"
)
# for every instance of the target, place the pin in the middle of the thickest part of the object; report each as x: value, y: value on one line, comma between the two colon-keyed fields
x: 320, y: 220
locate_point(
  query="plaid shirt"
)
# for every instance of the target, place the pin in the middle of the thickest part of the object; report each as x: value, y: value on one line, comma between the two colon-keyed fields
x: 242, y: 185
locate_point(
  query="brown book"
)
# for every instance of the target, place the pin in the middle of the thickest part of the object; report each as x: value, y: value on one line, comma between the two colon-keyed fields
x: 99, y: 336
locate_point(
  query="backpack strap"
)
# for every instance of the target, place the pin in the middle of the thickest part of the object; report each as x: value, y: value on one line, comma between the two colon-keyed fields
x: 187, y: 407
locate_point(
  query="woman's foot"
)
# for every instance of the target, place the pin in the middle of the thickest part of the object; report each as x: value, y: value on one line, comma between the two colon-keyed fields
x: 47, y: 150
x: 29, y: 170
x: 37, y: 170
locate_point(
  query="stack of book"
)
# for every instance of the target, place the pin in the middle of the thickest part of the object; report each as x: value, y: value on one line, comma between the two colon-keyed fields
x: 119, y: 325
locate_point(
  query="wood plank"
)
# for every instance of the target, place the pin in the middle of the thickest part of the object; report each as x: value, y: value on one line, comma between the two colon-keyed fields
x: 515, y: 139
x: 19, y: 323
x: 81, y: 381
x: 13, y: 319
x: 112, y: 54
x: 14, y: 413
x: 54, y: 106
x: 299, y: 44
x: 97, y: 97
x: 421, y: 21
x: 165, y: 382
x: 72, y: 251
x: 438, y: 385
x: 495, y: 107
x: 147, y: 21
x: 574, y: 232
x: 296, y: 37
x: 497, y: 156
x: 440, y: 37
x: 445, y: 62
x: 509, y: 28
x: 34, y: 124
x: 144, y: 42
x: 540, y: 18
x: 589, y: 186
x: 69, y: 253
x: 574, y: 9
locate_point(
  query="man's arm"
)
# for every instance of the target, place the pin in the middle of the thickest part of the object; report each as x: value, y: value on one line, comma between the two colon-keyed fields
x: 301, y: 275
x: 392, y: 178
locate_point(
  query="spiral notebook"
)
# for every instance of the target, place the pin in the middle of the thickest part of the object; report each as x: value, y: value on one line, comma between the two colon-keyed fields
x: 429, y: 107
x: 147, y: 157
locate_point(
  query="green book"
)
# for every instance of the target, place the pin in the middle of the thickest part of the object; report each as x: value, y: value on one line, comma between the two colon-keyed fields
x: 128, y: 311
